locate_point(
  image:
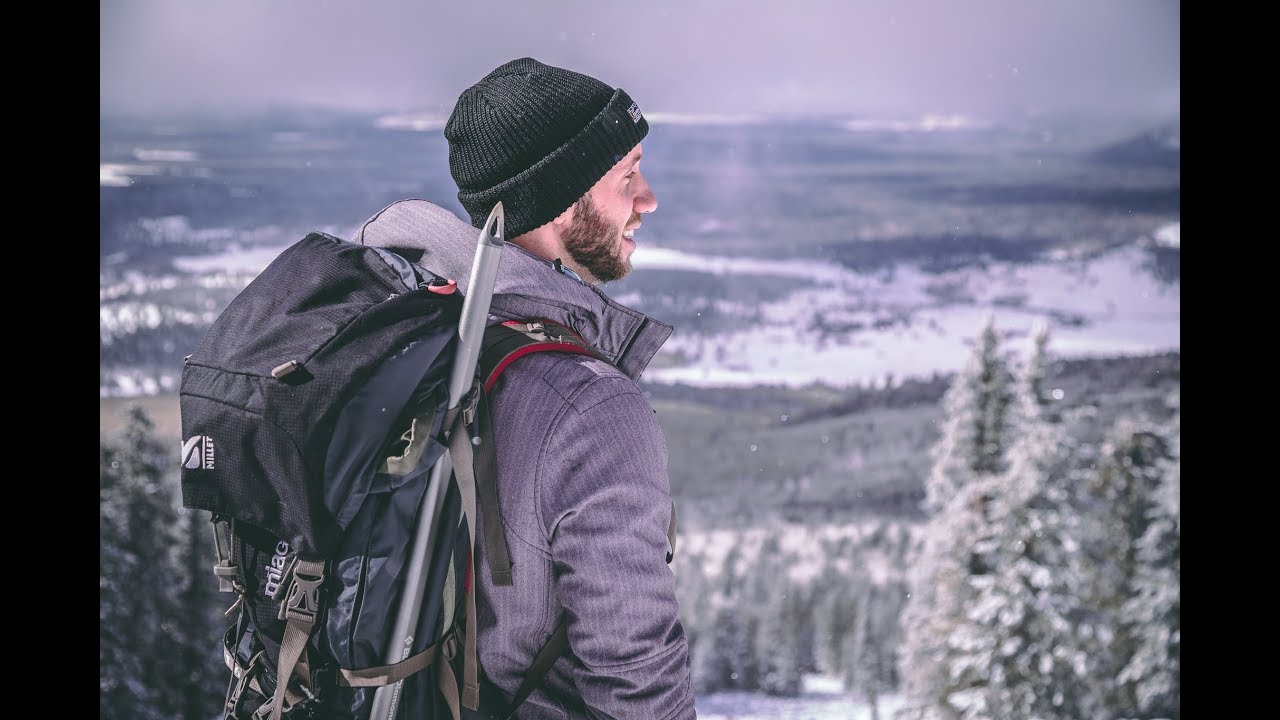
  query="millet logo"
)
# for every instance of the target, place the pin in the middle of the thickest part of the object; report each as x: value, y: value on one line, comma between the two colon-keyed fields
x: 275, y: 569
x: 197, y: 453
x: 634, y: 112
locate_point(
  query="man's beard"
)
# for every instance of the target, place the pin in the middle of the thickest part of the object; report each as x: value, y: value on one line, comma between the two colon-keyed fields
x: 593, y: 243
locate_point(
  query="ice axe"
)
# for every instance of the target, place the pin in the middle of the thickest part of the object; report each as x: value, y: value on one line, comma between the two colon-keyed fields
x: 471, y: 327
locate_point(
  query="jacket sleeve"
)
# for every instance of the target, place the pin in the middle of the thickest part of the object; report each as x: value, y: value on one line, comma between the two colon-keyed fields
x: 606, y: 504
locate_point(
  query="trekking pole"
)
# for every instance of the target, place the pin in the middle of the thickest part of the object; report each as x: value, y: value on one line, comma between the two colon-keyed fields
x: 475, y: 316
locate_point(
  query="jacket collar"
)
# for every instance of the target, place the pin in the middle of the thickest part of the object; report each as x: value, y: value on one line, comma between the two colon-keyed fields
x: 526, y: 288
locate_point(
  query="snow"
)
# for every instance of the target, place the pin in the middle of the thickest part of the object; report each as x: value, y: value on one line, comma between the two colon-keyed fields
x: 1169, y: 235
x: 1104, y: 306
x: 908, y: 322
x: 821, y: 698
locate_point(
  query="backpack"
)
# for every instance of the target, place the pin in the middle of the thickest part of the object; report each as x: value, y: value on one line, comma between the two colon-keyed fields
x: 317, y: 424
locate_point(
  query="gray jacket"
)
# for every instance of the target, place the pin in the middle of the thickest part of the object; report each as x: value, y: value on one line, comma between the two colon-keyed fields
x: 582, y: 486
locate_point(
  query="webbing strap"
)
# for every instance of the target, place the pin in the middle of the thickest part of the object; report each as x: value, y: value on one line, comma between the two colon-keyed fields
x: 460, y: 451
x: 502, y: 345
x: 464, y: 471
x: 295, y: 638
x: 551, y: 651
x: 470, y: 665
x: 299, y: 610
x: 291, y: 697
x: 448, y: 683
x: 383, y: 674
x: 486, y: 473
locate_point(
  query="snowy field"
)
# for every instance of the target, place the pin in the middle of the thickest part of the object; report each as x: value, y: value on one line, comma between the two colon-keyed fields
x: 893, y: 324
x: 821, y: 699
x: 912, y: 324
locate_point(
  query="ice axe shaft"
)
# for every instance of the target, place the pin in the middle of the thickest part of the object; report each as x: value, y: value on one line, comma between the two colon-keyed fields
x: 471, y: 327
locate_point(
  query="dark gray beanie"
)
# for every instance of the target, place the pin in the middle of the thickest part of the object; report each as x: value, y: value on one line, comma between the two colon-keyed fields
x: 536, y: 137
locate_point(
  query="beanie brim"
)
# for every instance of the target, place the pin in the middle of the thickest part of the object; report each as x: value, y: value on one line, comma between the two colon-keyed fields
x: 541, y: 192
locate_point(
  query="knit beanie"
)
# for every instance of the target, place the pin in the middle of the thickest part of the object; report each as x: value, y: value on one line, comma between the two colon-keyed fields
x: 536, y: 137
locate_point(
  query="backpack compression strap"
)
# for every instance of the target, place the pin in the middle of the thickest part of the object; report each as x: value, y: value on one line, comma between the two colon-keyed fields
x: 299, y: 610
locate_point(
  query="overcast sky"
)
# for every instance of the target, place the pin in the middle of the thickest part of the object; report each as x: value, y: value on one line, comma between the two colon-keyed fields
x: 985, y: 59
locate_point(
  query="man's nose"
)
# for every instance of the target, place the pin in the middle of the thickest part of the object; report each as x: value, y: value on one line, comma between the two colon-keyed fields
x: 645, y: 201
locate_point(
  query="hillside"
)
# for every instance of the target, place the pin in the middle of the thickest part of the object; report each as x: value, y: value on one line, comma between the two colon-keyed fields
x: 816, y: 454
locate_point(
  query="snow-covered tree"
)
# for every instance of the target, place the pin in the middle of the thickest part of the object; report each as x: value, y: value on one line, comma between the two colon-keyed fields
x: 973, y: 439
x: 1031, y: 601
x: 945, y: 653
x: 710, y: 672
x: 140, y: 613
x: 726, y: 656
x: 201, y: 628
x: 780, y: 645
x: 1031, y: 395
x: 869, y: 656
x: 1151, y: 614
x: 834, y: 618
x: 1125, y: 596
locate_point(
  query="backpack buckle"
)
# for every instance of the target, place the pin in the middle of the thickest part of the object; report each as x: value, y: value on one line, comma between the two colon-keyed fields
x: 470, y: 403
x: 240, y: 677
x: 539, y: 331
x: 302, y: 603
x: 450, y: 648
x: 225, y: 570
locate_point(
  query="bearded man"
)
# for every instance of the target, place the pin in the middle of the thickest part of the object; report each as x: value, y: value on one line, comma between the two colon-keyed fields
x: 583, y: 491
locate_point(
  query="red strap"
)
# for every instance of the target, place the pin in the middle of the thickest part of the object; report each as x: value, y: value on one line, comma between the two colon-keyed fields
x: 526, y: 350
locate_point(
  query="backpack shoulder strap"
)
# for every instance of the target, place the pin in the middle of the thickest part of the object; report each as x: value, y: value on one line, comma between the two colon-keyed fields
x: 551, y: 651
x: 503, y: 344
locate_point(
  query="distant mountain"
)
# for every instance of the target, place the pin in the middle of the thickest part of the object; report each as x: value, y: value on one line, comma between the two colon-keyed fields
x: 1160, y: 146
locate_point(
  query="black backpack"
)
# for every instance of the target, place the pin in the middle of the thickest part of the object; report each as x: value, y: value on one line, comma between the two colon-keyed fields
x: 314, y: 411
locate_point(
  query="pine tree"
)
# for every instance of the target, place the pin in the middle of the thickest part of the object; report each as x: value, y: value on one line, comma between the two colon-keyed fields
x: 1123, y: 491
x: 709, y: 669
x: 202, y: 671
x: 140, y: 614
x: 945, y: 653
x: 973, y: 438
x: 780, y: 645
x: 868, y: 651
x: 1030, y: 397
x: 119, y: 662
x: 1031, y: 600
x: 834, y: 618
x: 1151, y: 614
x: 744, y: 668
x: 726, y: 656
x: 697, y: 598
x: 1028, y: 603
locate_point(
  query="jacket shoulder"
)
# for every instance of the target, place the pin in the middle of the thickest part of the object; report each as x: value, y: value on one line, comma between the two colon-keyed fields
x: 579, y: 380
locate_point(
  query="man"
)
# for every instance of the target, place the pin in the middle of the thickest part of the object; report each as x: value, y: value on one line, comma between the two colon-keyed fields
x: 582, y: 479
